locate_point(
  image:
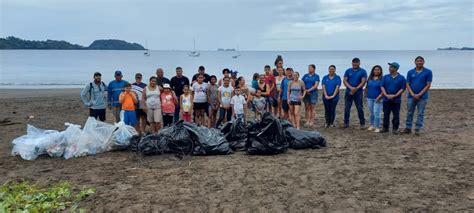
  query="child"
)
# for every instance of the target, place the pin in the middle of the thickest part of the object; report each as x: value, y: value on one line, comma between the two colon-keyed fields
x: 186, y: 102
x: 225, y: 95
x: 213, y: 99
x: 238, y: 104
x: 128, y: 99
x: 200, y: 104
x: 168, y: 105
x: 259, y: 103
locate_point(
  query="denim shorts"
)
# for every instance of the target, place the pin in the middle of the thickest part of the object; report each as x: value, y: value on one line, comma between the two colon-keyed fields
x: 311, y: 98
x: 271, y: 101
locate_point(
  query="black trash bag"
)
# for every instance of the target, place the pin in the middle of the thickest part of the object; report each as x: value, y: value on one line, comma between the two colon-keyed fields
x: 134, y: 141
x: 153, y: 144
x: 236, y: 133
x: 207, y: 141
x: 285, y: 124
x: 266, y: 137
x: 178, y: 138
x: 302, y: 139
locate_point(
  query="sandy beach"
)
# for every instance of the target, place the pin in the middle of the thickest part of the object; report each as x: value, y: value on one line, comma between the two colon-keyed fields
x: 358, y: 171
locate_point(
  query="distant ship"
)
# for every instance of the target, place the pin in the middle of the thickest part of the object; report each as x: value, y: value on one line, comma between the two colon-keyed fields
x: 194, y: 53
x: 146, y: 53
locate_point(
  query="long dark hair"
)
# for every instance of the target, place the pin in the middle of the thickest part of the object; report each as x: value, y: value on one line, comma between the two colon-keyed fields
x: 371, y: 76
x: 278, y: 59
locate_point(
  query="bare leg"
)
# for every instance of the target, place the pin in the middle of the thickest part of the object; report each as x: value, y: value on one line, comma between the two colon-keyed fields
x: 297, y: 115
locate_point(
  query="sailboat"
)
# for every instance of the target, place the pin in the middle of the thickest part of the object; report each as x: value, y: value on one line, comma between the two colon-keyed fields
x: 146, y: 53
x: 194, y: 53
x: 237, y: 54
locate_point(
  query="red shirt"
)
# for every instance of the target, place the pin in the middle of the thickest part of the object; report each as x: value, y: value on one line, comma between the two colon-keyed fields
x: 167, y: 103
x: 270, y: 81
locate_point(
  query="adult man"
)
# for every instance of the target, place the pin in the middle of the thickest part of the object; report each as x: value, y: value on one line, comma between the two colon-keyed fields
x: 160, y: 78
x: 94, y: 97
x: 393, y: 85
x: 271, y: 82
x: 177, y: 85
x: 284, y: 92
x: 418, y: 84
x: 354, y: 80
x: 113, y: 92
x: 138, y: 87
x: 202, y: 71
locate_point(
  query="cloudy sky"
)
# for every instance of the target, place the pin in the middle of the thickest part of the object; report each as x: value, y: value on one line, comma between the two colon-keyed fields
x: 251, y: 24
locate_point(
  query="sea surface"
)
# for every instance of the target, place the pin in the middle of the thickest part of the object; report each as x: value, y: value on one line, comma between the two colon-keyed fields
x: 37, y: 69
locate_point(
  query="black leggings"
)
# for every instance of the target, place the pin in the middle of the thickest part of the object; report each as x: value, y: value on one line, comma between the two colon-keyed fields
x: 167, y: 119
x: 222, y: 113
x: 330, y: 110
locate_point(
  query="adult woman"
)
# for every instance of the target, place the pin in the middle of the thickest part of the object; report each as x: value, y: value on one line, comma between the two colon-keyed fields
x: 374, y: 97
x: 296, y: 92
x: 331, y: 84
x: 278, y: 79
x: 263, y: 86
x: 152, y: 104
x: 311, y: 82
x: 278, y: 64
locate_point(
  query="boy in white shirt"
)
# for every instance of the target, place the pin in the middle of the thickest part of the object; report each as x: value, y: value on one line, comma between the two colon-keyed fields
x: 238, y: 103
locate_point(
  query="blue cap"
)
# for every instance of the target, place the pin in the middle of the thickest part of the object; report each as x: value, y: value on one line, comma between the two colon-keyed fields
x: 118, y: 73
x: 394, y: 64
x: 234, y: 72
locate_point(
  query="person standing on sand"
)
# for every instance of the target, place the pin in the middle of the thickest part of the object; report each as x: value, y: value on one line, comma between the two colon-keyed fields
x: 374, y: 97
x: 94, y: 97
x: 213, y: 100
x: 225, y: 95
x: 201, y: 71
x: 393, y: 85
x: 138, y: 87
x: 168, y: 105
x: 354, y: 80
x: 270, y: 80
x: 152, y: 104
x: 278, y: 79
x: 418, y: 85
x: 128, y: 99
x: 200, y: 104
x: 311, y: 82
x: 284, y: 95
x: 331, y: 84
x: 296, y: 92
x: 177, y: 85
x: 160, y: 78
x: 113, y: 92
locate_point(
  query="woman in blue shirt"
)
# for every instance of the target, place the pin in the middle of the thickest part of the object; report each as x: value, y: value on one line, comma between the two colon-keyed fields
x: 330, y: 84
x: 374, y: 97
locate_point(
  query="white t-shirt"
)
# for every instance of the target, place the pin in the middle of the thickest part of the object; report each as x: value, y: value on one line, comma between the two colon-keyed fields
x: 238, y: 101
x: 200, y: 95
x: 226, y: 95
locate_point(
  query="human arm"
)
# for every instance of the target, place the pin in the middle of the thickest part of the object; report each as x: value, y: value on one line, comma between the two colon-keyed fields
x: 86, y: 99
x: 304, y: 91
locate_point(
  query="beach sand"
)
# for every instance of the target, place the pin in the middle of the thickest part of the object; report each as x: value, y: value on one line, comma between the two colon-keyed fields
x: 359, y: 170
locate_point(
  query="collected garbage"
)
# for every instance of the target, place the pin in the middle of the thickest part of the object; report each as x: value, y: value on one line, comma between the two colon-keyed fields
x: 36, y: 142
x: 236, y: 134
x: 302, y: 139
x: 267, y: 137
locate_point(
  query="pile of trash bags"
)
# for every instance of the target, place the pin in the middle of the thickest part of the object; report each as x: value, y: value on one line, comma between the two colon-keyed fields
x: 96, y: 137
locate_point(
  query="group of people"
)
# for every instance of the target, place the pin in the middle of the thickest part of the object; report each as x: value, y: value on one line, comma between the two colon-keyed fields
x: 210, y: 100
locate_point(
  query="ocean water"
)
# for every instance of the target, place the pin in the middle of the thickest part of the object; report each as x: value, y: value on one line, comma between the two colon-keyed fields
x: 26, y: 69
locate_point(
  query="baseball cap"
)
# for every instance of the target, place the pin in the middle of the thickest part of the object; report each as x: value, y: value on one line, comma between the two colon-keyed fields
x: 167, y: 86
x: 118, y: 73
x: 394, y: 64
x: 138, y: 75
x: 97, y: 74
x: 356, y: 60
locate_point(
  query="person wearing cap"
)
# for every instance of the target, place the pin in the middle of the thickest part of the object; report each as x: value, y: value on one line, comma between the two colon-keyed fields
x: 177, y: 85
x: 418, y: 85
x: 354, y: 80
x: 160, y: 77
x: 138, y: 87
x: 94, y: 96
x: 393, y: 85
x: 168, y: 105
x: 201, y: 71
x: 113, y: 92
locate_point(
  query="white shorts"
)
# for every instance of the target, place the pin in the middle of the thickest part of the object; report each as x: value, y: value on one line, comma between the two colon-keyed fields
x: 154, y: 115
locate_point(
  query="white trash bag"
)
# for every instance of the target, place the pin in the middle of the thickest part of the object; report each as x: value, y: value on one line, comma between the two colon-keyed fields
x: 70, y: 139
x: 36, y: 142
x: 121, y: 137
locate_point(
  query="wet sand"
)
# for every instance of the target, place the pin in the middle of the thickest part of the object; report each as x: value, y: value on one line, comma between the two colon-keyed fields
x: 358, y: 171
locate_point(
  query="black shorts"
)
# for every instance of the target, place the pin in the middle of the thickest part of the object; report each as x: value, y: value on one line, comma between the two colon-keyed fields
x: 140, y: 113
x: 200, y: 106
x: 284, y: 105
x: 295, y: 103
x: 98, y: 114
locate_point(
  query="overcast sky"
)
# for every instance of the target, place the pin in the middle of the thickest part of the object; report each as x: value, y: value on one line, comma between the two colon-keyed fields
x: 251, y: 24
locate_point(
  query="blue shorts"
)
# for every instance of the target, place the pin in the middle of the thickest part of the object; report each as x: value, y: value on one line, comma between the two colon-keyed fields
x: 130, y: 117
x: 311, y: 98
x: 271, y: 101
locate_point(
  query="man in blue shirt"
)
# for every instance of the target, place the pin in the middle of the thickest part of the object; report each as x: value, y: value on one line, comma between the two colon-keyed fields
x: 393, y: 85
x: 113, y: 92
x: 311, y: 82
x: 284, y: 92
x: 418, y: 84
x: 354, y: 80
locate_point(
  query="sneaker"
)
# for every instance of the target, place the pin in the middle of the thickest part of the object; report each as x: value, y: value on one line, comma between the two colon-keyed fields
x: 333, y: 126
x: 377, y: 130
x: 362, y: 126
x: 327, y: 125
x: 371, y: 128
x: 384, y: 131
x: 417, y: 131
x: 395, y: 131
x: 406, y: 131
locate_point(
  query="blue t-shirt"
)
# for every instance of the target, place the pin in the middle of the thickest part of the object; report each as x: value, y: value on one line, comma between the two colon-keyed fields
x: 393, y: 85
x: 255, y: 84
x: 113, y: 92
x: 309, y: 81
x: 373, y: 88
x: 354, y: 78
x: 331, y: 84
x: 284, y: 88
x: 418, y: 81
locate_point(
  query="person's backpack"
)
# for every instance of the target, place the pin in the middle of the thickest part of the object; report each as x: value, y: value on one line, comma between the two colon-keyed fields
x: 91, y: 87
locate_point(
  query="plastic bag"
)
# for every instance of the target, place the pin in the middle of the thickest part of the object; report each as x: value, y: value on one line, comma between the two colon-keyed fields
x: 302, y: 139
x: 267, y: 137
x: 35, y: 142
x: 207, y: 141
x: 236, y: 133
x: 121, y: 137
x: 152, y: 144
x: 71, y: 137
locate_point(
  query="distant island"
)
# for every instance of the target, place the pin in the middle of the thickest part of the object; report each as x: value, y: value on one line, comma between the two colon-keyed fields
x: 105, y: 44
x: 222, y: 49
x: 456, y: 48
